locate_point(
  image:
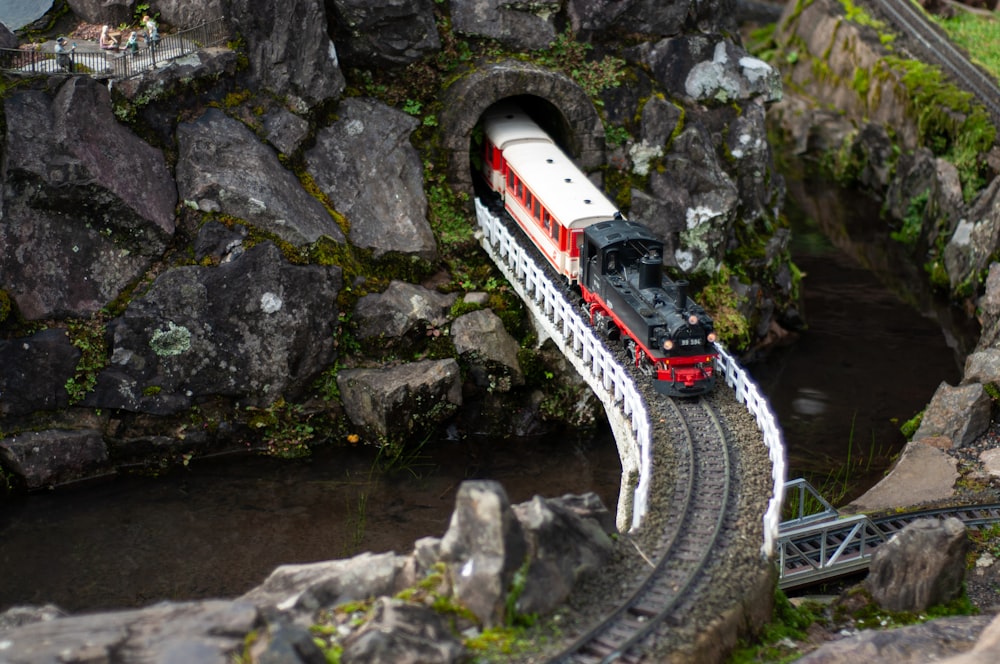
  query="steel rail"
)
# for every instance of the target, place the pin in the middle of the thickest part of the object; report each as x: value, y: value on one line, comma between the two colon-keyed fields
x: 699, y: 503
x: 912, y: 21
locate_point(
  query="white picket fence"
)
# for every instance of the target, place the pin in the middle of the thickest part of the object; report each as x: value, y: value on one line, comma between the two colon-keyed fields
x: 627, y: 413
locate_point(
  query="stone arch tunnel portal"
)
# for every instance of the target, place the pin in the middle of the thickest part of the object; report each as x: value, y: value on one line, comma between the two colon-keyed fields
x: 557, y: 103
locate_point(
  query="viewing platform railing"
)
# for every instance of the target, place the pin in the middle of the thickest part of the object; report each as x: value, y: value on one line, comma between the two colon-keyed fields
x: 115, y: 64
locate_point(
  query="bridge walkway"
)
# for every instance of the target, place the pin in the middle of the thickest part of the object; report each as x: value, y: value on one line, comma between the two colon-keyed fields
x: 90, y: 60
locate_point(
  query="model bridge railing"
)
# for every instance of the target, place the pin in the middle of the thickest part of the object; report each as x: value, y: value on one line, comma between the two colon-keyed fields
x: 561, y: 321
x: 117, y: 65
x: 816, y: 544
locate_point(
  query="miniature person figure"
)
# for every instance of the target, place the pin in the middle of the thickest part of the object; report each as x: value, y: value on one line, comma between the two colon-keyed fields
x: 132, y: 45
x: 107, y: 41
x: 152, y: 31
x: 64, y: 55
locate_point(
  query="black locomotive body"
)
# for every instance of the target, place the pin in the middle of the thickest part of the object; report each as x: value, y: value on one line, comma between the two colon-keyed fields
x: 622, y: 282
x: 618, y: 264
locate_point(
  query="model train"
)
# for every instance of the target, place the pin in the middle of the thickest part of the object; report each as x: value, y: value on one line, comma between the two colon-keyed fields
x: 616, y: 263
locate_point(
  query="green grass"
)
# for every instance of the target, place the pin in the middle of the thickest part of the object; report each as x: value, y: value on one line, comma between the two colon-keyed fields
x: 979, y: 36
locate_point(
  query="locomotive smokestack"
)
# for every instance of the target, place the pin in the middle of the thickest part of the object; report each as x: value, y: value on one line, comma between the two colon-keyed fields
x: 650, y: 271
x: 682, y: 295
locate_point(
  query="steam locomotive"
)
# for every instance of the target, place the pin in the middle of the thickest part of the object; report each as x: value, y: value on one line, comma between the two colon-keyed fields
x: 617, y: 264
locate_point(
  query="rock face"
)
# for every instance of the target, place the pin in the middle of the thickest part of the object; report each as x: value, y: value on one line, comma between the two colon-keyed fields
x: 216, y: 234
x: 289, y: 50
x: 914, y: 644
x: 953, y: 231
x: 922, y: 566
x: 87, y: 204
x: 380, y: 190
x: 395, y: 404
x: 233, y: 330
x: 386, y: 34
x: 222, y: 167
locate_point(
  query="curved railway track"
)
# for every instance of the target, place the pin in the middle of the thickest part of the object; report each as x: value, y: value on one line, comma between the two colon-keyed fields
x: 702, y: 497
x: 699, y: 502
x: 929, y: 43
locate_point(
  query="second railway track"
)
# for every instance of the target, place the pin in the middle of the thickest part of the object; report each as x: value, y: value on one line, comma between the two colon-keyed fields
x: 929, y: 43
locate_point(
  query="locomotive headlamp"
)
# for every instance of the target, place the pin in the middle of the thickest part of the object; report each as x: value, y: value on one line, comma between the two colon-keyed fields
x: 668, y: 344
x: 711, y: 337
x: 692, y: 319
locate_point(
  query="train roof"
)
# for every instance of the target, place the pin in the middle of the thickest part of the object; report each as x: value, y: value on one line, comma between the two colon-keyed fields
x: 562, y: 188
x: 507, y: 125
x: 618, y: 231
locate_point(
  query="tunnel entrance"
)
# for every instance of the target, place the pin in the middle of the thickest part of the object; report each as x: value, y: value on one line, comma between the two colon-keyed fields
x: 557, y: 103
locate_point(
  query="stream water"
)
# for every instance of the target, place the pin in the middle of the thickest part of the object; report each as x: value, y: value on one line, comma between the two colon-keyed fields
x: 879, y: 342
x: 877, y: 347
x: 218, y: 527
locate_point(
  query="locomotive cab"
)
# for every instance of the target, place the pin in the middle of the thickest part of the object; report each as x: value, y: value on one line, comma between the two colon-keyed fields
x: 626, y: 291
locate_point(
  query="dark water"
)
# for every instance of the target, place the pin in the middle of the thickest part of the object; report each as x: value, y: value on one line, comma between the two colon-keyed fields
x: 878, y: 343
x: 218, y: 527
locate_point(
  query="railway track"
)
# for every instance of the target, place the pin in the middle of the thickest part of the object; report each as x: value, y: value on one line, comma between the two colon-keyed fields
x: 929, y: 43
x: 699, y: 479
x: 699, y: 503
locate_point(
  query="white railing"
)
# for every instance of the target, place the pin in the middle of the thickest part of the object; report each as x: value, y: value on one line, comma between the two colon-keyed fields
x: 749, y: 395
x: 559, y: 319
x: 625, y: 407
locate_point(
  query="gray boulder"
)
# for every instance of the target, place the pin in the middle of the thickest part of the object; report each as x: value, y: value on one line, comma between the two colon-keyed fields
x: 708, y: 69
x: 291, y: 644
x: 982, y: 367
x: 401, y: 633
x: 87, y: 205
x: 652, y: 17
x: 394, y: 33
x: 932, y: 641
x: 285, y: 130
x: 309, y: 587
x: 481, y: 339
x: 35, y: 369
x: 206, y: 632
x: 366, y: 164
x: 959, y: 413
x: 562, y: 546
x: 48, y: 458
x: 400, y: 309
x: 642, y: 16
x: 223, y: 167
x: 395, y: 403
x: 732, y: 75
x: 970, y: 248
x: 255, y: 329
x: 701, y: 199
x: 658, y: 121
x: 16, y: 15
x: 289, y: 49
x: 921, y: 566
x: 483, y: 548
x: 526, y: 26
x: 989, y: 311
